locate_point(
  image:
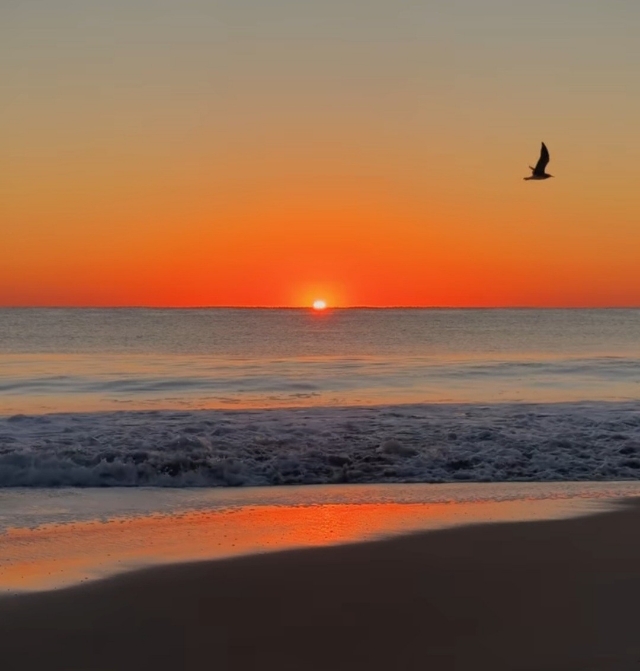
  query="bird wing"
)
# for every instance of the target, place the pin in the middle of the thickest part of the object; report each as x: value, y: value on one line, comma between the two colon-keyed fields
x: 542, y: 161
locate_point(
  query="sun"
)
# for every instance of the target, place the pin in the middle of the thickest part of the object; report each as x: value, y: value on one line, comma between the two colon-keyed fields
x: 319, y: 304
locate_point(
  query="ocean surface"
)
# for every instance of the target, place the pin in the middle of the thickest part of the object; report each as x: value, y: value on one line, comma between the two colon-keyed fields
x: 229, y: 397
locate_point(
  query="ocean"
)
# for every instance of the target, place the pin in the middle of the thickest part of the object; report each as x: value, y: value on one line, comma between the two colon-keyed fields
x: 232, y: 397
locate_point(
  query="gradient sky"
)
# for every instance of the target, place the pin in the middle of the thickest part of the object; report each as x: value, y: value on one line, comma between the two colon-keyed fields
x: 269, y: 152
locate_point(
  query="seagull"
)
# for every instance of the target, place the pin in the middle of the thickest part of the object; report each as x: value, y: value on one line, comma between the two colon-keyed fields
x: 538, y: 172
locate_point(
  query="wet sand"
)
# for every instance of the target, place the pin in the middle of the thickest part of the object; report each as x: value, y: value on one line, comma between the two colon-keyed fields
x: 556, y: 595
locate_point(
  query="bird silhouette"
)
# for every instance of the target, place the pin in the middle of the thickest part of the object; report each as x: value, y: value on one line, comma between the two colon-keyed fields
x: 538, y: 172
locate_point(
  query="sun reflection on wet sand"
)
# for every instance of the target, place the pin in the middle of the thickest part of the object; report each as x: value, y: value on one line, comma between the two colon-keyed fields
x: 55, y: 555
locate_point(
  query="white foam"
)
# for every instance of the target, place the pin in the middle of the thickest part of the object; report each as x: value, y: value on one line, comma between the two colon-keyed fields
x: 417, y: 443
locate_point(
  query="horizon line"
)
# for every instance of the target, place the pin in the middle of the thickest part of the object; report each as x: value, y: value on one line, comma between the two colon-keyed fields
x: 328, y: 308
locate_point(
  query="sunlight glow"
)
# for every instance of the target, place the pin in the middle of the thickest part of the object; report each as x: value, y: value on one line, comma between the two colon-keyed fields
x: 319, y: 305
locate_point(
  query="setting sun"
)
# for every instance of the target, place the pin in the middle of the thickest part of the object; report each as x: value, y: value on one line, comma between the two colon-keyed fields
x: 319, y: 305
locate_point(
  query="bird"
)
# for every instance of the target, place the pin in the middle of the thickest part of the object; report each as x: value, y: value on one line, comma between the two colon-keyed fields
x: 538, y: 172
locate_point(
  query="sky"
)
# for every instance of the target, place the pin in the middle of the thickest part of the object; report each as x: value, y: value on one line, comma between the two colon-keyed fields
x: 364, y: 152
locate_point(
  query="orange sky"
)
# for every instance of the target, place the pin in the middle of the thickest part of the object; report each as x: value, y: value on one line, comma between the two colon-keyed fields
x: 365, y: 153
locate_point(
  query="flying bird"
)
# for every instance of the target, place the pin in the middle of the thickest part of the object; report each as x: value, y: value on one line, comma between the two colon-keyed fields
x: 538, y: 172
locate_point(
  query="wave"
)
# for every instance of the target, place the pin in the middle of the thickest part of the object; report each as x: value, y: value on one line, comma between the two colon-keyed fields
x: 410, y: 443
x: 82, y: 383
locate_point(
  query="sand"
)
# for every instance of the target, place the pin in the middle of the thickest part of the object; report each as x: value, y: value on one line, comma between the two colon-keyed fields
x: 556, y: 595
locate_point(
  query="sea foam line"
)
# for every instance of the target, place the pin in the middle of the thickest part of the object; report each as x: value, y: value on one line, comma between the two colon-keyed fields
x: 411, y: 443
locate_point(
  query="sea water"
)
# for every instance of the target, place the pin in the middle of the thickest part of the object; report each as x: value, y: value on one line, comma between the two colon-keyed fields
x: 218, y: 397
x: 70, y: 360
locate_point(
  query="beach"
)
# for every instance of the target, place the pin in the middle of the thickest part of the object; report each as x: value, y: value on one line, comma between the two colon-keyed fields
x: 555, y: 594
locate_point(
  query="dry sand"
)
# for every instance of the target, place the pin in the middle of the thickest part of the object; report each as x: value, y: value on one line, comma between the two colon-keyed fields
x: 550, y: 595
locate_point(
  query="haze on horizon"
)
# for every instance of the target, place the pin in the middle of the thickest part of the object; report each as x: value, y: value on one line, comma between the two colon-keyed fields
x: 362, y: 152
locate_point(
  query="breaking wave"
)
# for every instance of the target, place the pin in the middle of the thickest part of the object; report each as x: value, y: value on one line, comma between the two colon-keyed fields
x: 410, y: 443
